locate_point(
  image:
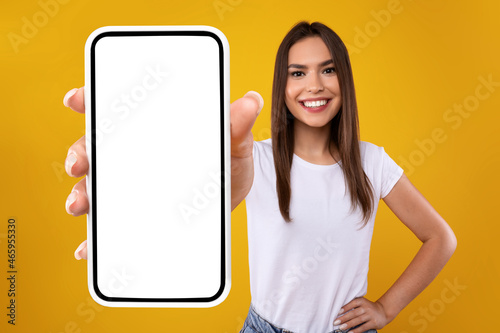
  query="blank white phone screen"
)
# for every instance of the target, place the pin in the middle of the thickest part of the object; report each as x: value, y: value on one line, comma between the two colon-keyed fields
x: 158, y: 197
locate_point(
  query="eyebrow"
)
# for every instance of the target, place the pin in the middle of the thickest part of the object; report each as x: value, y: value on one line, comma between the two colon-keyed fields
x: 324, y: 63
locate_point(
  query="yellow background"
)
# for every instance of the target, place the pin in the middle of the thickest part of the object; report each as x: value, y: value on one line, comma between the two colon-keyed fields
x: 408, y: 74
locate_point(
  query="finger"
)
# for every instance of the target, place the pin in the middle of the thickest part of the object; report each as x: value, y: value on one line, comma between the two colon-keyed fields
x: 355, y: 321
x: 352, y: 304
x: 350, y: 310
x: 81, y: 251
x: 78, y: 203
x: 359, y: 311
x: 244, y: 112
x: 77, y: 163
x: 75, y: 100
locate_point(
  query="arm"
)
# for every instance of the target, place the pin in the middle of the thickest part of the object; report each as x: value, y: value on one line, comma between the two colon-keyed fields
x: 241, y: 178
x: 244, y: 112
x: 438, y: 244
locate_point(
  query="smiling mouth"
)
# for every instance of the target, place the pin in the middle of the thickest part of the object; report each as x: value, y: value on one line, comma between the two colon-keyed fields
x: 315, y: 104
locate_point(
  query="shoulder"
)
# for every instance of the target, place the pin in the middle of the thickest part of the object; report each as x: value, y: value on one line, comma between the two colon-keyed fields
x: 369, y: 151
x: 263, y: 151
x: 263, y: 147
x: 374, y: 158
x: 380, y: 167
x: 264, y: 144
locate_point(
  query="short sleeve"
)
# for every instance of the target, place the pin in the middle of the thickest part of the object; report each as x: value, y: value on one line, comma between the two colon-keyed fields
x: 391, y: 173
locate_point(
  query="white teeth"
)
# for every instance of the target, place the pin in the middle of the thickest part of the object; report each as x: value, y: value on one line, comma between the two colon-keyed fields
x: 315, y: 104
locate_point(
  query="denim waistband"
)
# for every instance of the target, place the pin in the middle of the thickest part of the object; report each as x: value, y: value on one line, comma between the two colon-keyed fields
x: 261, y: 325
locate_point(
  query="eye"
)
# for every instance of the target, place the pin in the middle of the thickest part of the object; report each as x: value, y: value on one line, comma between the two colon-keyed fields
x: 329, y: 70
x: 297, y: 73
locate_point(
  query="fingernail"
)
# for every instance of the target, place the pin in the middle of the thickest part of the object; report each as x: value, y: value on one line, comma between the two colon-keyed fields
x: 78, y: 251
x: 343, y: 326
x: 259, y: 99
x: 68, y: 96
x: 70, y: 161
x: 71, y: 198
x: 336, y: 322
x: 341, y: 310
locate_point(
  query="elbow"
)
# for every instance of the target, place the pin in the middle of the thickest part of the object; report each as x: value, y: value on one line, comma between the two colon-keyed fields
x: 450, y: 242
x: 444, y: 242
x: 454, y: 242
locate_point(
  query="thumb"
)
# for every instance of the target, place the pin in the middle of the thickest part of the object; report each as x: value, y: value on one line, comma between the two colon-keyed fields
x: 244, y: 112
x: 256, y: 96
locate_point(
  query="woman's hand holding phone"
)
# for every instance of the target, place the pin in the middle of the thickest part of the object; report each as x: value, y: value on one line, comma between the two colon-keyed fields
x: 244, y: 112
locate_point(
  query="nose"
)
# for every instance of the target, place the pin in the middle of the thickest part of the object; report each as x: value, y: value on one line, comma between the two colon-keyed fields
x: 314, y: 83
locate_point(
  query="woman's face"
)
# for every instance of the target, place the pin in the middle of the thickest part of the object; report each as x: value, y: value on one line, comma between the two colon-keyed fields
x: 312, y: 90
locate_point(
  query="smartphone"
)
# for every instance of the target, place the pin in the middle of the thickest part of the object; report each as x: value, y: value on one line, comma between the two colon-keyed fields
x: 158, y: 143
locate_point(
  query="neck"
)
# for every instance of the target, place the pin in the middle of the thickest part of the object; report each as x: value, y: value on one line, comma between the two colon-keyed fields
x: 313, y: 143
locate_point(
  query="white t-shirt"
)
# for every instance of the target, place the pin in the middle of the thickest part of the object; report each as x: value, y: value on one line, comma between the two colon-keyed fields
x: 304, y: 271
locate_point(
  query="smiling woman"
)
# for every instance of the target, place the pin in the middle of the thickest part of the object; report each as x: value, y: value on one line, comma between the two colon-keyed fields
x: 312, y: 193
x: 312, y: 67
x: 313, y: 199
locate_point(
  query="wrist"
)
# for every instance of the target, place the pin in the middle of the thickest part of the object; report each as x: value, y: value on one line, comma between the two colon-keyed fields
x: 389, y: 312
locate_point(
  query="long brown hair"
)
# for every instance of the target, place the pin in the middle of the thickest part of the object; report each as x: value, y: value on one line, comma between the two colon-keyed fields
x: 344, y: 131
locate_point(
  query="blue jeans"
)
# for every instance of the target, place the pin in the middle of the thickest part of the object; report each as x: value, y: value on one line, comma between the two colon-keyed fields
x: 256, y: 324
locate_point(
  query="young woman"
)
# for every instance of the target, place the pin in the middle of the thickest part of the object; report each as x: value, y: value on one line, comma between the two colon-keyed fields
x: 312, y: 192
